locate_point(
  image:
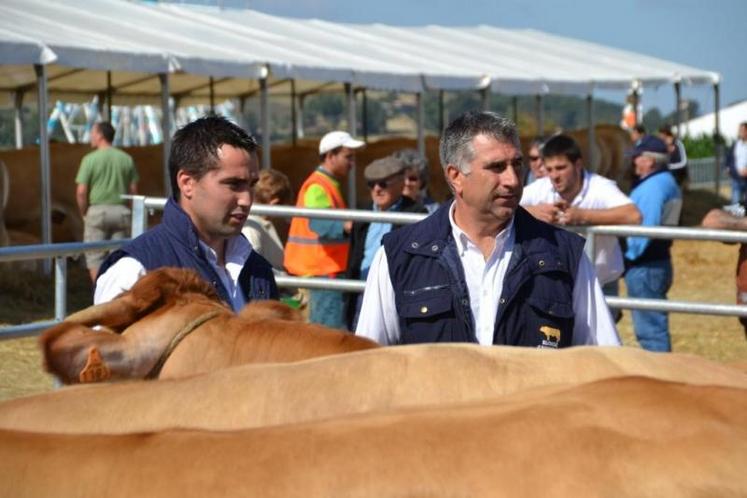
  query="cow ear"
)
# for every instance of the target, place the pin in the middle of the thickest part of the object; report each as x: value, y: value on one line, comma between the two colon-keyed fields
x: 95, y: 369
x: 185, y: 182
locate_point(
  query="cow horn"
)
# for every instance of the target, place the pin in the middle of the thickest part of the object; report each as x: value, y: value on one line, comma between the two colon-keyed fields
x: 94, y: 315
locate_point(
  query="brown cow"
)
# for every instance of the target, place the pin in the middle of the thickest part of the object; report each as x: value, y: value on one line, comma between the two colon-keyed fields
x: 625, y: 437
x: 171, y: 324
x: 335, y: 386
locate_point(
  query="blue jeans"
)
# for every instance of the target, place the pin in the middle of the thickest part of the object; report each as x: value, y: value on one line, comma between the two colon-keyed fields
x: 738, y: 190
x: 326, y: 308
x: 651, y: 280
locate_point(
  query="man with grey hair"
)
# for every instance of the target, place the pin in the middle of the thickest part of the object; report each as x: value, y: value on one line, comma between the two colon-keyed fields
x: 481, y: 269
x: 648, y: 262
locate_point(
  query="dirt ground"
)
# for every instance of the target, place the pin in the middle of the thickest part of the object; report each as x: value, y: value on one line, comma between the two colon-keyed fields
x: 704, y: 272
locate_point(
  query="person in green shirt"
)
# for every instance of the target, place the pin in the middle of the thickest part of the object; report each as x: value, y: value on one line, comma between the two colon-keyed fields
x: 103, y: 177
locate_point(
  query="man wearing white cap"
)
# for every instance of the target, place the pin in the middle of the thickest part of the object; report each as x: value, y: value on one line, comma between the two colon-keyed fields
x: 321, y: 247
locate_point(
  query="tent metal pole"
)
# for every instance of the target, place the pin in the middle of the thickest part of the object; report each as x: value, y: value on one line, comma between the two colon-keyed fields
x: 678, y: 108
x: 18, y: 117
x: 301, y: 99
x: 636, y: 99
x: 242, y: 114
x: 540, y: 115
x: 165, y: 130
x: 591, y: 136
x: 211, y: 87
x: 109, y: 92
x: 350, y: 100
x: 441, y: 111
x: 46, y: 228
x: 364, y: 114
x: 294, y: 116
x: 264, y: 117
x: 485, y: 99
x: 717, y: 135
x: 420, y: 109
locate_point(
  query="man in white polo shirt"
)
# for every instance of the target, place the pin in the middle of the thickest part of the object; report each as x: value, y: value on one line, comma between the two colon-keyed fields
x: 570, y: 195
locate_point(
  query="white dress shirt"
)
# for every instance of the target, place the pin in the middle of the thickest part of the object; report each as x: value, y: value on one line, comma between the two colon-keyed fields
x: 484, y: 278
x: 597, y: 192
x: 123, y: 274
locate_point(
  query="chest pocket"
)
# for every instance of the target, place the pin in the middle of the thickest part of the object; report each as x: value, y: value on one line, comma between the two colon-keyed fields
x: 550, y: 321
x: 427, y: 314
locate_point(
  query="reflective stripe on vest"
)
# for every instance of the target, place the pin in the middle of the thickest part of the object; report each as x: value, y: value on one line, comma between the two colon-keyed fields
x: 305, y: 254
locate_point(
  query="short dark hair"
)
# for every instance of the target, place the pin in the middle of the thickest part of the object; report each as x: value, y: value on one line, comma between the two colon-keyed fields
x: 666, y: 130
x: 333, y: 152
x: 562, y: 145
x: 194, y: 147
x: 456, y: 142
x: 640, y: 129
x: 106, y: 129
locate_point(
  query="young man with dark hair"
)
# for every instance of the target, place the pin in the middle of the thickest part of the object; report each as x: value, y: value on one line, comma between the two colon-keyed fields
x: 570, y: 195
x: 677, y: 155
x: 103, y: 177
x: 213, y: 168
x: 481, y: 269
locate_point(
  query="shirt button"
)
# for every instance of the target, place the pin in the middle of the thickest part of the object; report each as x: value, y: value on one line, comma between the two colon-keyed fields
x: 414, y: 245
x: 434, y: 247
x: 424, y: 310
x: 542, y: 262
x: 465, y: 302
x: 503, y: 300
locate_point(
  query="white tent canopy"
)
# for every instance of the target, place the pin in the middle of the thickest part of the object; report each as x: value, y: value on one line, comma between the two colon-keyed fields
x: 729, y: 120
x: 236, y: 47
x: 138, y: 53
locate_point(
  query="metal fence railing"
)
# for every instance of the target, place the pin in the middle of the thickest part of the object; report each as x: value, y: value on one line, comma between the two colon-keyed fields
x: 143, y: 205
x: 702, y: 173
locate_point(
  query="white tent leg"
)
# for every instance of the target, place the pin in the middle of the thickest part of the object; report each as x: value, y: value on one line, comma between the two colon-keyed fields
x: 46, y: 228
x: 18, y: 118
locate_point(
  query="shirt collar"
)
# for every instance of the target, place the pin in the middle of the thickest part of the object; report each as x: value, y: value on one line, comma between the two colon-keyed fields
x: 238, y: 249
x: 394, y: 207
x: 463, y: 241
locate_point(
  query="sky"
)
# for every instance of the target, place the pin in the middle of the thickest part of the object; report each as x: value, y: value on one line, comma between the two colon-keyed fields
x: 706, y: 34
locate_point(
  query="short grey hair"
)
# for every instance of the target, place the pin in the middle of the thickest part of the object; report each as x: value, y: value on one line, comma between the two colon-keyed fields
x: 456, y: 142
x: 414, y: 160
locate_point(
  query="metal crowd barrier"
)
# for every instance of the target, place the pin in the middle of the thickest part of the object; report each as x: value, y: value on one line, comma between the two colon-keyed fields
x: 141, y: 206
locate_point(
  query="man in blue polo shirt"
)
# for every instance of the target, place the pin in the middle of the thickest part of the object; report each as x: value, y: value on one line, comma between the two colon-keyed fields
x: 648, y: 262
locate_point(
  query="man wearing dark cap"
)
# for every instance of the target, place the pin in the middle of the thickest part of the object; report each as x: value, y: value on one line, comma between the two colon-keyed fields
x: 385, y: 179
x: 648, y: 261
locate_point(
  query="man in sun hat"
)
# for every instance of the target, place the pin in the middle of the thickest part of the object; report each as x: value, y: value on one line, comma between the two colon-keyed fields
x: 320, y: 248
x: 648, y: 262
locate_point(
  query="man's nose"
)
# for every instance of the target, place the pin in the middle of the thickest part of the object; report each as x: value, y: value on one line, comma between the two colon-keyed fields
x: 510, y: 177
x: 245, y: 198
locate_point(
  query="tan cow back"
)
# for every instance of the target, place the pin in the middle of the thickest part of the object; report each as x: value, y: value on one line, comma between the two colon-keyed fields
x: 622, y: 437
x: 354, y: 383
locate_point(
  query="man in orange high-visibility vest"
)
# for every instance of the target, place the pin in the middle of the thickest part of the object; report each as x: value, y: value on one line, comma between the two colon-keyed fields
x: 320, y: 247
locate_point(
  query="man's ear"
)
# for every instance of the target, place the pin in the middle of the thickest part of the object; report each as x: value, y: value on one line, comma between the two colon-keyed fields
x: 185, y: 182
x: 454, y: 176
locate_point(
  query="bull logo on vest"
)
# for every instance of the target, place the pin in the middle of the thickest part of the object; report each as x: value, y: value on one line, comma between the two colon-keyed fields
x: 551, y: 337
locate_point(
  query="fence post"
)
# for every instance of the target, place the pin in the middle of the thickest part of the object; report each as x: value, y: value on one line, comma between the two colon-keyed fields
x: 139, y: 215
x: 60, y: 287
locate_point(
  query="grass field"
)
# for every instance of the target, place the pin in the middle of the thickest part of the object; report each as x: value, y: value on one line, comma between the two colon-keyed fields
x: 703, y: 272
